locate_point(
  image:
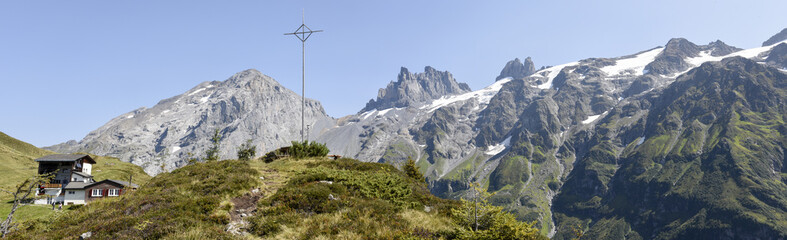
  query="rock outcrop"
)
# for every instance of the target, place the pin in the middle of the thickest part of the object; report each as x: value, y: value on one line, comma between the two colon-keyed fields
x: 516, y: 69
x: 411, y: 88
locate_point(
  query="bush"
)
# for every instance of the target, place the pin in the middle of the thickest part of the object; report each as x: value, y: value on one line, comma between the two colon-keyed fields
x: 354, y: 165
x: 212, y: 154
x: 314, y: 197
x: 308, y: 149
x: 272, y: 155
x: 553, y: 185
x: 412, y: 171
x: 247, y: 151
x: 268, y: 222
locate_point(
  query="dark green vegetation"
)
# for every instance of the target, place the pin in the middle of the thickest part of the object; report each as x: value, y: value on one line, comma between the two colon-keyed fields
x: 212, y: 154
x: 308, y: 149
x: 411, y: 170
x: 247, y: 151
x: 707, y: 161
x: 347, y: 198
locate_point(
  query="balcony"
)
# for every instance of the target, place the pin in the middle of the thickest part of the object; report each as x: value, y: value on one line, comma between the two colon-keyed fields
x: 52, y: 185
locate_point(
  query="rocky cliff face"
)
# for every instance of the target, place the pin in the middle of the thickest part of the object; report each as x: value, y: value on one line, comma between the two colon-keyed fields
x: 781, y: 36
x: 411, y: 88
x: 516, y: 69
x: 248, y: 105
x: 778, y: 56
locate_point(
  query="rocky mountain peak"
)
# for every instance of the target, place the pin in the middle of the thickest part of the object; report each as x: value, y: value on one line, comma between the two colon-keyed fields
x: 681, y: 47
x: 412, y: 88
x: 249, y: 78
x: 672, y: 59
x: 719, y: 48
x: 781, y: 36
x: 516, y: 69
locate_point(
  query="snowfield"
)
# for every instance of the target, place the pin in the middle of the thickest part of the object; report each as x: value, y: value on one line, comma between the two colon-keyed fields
x: 636, y: 64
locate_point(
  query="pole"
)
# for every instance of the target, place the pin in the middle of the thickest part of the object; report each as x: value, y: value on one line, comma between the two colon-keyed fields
x: 302, y: 33
x: 303, y: 84
x: 475, y: 200
x: 303, y: 73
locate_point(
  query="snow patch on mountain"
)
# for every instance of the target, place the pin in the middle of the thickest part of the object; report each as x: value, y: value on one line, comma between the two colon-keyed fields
x: 498, y: 148
x: 640, y: 141
x: 384, y: 111
x: 483, y: 96
x: 634, y: 64
x: 200, y: 90
x: 368, y: 114
x: 551, y: 73
x: 705, y: 56
x: 590, y: 119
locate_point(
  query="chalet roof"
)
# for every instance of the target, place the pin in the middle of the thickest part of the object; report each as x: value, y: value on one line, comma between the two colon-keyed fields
x: 124, y: 183
x: 84, y: 175
x: 83, y: 185
x: 77, y: 185
x: 65, y: 158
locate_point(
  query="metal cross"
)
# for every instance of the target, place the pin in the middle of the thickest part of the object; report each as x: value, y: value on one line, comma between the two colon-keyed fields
x: 303, y: 33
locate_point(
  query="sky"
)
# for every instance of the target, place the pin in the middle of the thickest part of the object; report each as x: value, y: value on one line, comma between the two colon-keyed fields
x: 68, y: 67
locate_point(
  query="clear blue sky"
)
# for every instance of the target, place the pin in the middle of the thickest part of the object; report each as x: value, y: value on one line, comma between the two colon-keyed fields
x: 68, y: 67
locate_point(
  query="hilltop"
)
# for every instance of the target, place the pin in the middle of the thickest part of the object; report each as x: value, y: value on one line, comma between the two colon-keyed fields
x: 313, y: 198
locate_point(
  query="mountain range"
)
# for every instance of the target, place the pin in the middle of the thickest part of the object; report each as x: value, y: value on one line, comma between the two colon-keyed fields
x: 676, y: 141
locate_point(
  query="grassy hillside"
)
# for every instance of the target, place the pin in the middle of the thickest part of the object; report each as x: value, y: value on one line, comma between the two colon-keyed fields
x: 311, y: 198
x: 17, y: 162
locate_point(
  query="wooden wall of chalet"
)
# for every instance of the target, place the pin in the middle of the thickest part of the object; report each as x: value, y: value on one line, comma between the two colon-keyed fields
x: 105, y: 186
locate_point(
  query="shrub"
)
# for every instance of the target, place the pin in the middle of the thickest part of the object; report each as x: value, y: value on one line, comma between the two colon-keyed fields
x: 553, y: 185
x: 212, y: 154
x: 247, y: 151
x: 272, y: 155
x: 268, y: 221
x: 308, y: 149
x: 354, y: 165
x: 412, y: 171
x: 314, y: 197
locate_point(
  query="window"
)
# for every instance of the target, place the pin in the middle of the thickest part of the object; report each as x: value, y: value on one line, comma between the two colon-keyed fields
x: 72, y: 192
x: 113, y: 192
x: 96, y: 193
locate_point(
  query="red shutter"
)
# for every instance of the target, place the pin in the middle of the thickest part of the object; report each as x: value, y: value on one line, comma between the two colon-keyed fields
x: 120, y: 192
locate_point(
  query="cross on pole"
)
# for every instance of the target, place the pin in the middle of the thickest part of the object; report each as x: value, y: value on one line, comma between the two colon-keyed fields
x: 303, y: 33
